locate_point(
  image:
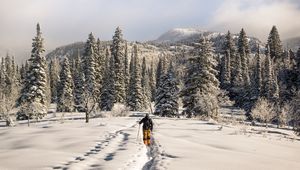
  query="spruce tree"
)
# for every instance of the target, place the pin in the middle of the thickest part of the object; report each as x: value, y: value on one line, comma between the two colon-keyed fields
x: 159, y: 71
x: 297, y: 67
x: 65, y: 101
x: 229, y: 47
x: 99, y: 66
x: 274, y: 43
x: 258, y: 76
x: 243, y: 44
x: 152, y: 81
x: 107, y: 97
x: 79, y: 85
x: 126, y: 68
x: 89, y: 58
x: 244, y: 51
x: 167, y: 95
x: 201, y: 82
x: 117, y: 52
x: 271, y: 85
x: 237, y: 80
x: 54, y: 77
x: 145, y: 84
x: 136, y: 98
x: 226, y: 70
x: 33, y: 99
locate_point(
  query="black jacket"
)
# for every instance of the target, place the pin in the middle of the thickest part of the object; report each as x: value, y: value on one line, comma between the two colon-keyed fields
x: 147, y: 123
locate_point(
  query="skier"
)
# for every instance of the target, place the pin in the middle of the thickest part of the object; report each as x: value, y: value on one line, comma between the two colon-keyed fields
x: 147, y: 129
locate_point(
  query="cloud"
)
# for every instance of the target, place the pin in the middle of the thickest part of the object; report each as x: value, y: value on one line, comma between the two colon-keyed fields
x: 258, y: 16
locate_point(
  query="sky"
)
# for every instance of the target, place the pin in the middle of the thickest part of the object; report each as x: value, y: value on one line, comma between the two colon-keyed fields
x: 67, y: 21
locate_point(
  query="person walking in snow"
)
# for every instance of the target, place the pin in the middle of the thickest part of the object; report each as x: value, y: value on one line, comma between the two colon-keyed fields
x: 147, y: 129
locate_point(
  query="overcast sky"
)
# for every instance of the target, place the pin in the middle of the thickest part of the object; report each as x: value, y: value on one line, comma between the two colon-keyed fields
x: 66, y: 21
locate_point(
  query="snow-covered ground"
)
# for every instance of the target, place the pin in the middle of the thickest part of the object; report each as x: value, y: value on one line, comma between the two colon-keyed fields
x: 111, y: 143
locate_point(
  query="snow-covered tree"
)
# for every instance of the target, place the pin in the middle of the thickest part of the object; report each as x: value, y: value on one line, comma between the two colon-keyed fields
x: 152, y: 85
x: 107, y: 97
x: 297, y: 59
x: 201, y: 78
x: 79, y: 85
x: 160, y: 70
x: 126, y: 68
x: 136, y: 98
x: 243, y: 45
x: 9, y: 89
x: 145, y: 84
x: 274, y: 43
x: 117, y: 52
x: 271, y: 86
x: 33, y: 99
x: 89, y: 57
x: 65, y: 102
x: 166, y: 101
x: 258, y: 76
x: 226, y: 70
x: 237, y: 79
x: 263, y: 111
x: 54, y: 77
x: 99, y: 66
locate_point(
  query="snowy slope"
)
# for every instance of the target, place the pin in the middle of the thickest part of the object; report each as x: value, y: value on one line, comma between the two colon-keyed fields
x: 178, y: 34
x: 187, y: 36
x: 111, y: 143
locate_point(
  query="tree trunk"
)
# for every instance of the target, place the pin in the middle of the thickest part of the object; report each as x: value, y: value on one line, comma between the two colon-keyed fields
x: 87, y: 117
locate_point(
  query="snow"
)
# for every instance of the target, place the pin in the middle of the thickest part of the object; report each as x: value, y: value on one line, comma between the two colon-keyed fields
x: 111, y: 143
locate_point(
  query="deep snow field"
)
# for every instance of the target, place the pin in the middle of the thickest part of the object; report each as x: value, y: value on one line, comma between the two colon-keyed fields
x: 112, y: 144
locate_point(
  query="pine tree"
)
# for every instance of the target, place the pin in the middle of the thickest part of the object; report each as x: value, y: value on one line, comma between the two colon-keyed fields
x: 152, y: 85
x: 237, y: 80
x: 244, y: 51
x: 243, y: 44
x: 297, y: 59
x: 229, y: 47
x: 126, y: 68
x: 274, y: 43
x: 226, y: 70
x: 99, y: 66
x: 78, y: 81
x: 159, y: 71
x: 54, y: 77
x: 107, y: 98
x: 33, y: 99
x: 201, y: 82
x: 89, y: 57
x: 136, y: 99
x: 167, y: 95
x: 271, y: 85
x: 117, y: 52
x: 246, y: 78
x: 145, y: 84
x: 65, y: 102
x: 258, y: 76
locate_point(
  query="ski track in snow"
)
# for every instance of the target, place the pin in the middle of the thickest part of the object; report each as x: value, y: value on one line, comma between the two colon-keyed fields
x: 115, y: 144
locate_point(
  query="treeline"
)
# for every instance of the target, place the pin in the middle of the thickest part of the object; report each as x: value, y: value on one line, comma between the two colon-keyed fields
x: 266, y: 84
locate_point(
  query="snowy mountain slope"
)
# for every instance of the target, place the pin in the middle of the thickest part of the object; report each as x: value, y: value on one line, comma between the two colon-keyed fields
x: 111, y: 143
x: 292, y: 43
x: 150, y: 52
x: 178, y: 34
x: 187, y: 36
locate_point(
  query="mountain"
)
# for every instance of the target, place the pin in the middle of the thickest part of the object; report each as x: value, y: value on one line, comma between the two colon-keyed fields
x: 150, y: 52
x: 164, y: 45
x: 292, y: 43
x: 178, y: 34
x: 188, y: 36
